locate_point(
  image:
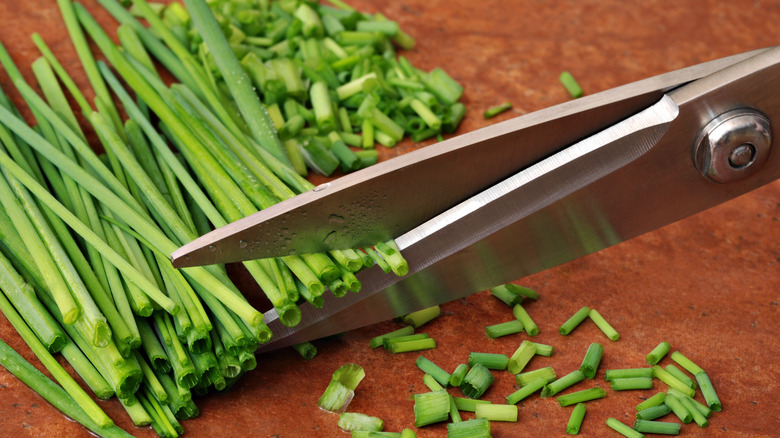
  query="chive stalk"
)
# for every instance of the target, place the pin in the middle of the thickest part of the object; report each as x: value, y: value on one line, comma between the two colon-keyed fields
x: 497, y: 412
x: 504, y: 329
x: 428, y: 367
x: 497, y: 109
x: 476, y: 381
x: 378, y: 341
x: 657, y: 427
x: 456, y: 378
x: 562, y: 383
x: 476, y: 428
x: 710, y: 396
x: 664, y: 376
x: 581, y: 396
x: 622, y: 429
x: 686, y: 363
x: 527, y: 389
x: 625, y: 373
x: 658, y: 353
x: 431, y: 407
x: 680, y: 375
x: 629, y: 383
x: 590, y: 362
x: 520, y: 358
x: 574, y: 321
x: 491, y: 361
x: 653, y: 412
x: 570, y: 84
x: 413, y: 345
x: 528, y: 324
x: 468, y: 404
x: 650, y: 402
x: 350, y: 421
x: 423, y: 316
x: 602, y: 324
x: 575, y: 419
x: 547, y: 373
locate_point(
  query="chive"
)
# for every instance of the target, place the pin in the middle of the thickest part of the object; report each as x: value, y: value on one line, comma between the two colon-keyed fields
x: 497, y: 412
x: 431, y: 383
x: 414, y: 345
x: 602, y: 324
x: 503, y: 329
x: 491, y: 361
x: 658, y: 353
x: 653, y: 412
x: 505, y: 295
x: 622, y: 429
x: 547, y: 373
x: 442, y: 86
x: 710, y: 396
x: 426, y: 114
x: 420, y: 317
x: 476, y: 381
x: 627, y: 373
x: 431, y: 407
x: 655, y: 400
x: 581, y: 396
x: 678, y: 408
x: 520, y: 358
x: 454, y: 414
x: 680, y: 375
x: 686, y: 363
x: 575, y: 419
x: 341, y: 388
x: 528, y: 324
x: 476, y: 428
x: 497, y: 109
x: 307, y: 350
x: 378, y: 341
x: 350, y: 421
x: 664, y: 376
x: 387, y: 342
x: 629, y: 383
x: 658, y: 427
x: 706, y: 411
x: 428, y: 367
x: 543, y: 349
x: 528, y: 389
x: 456, y: 378
x: 468, y: 404
x: 590, y: 362
x: 574, y: 321
x: 50, y: 391
x: 696, y: 414
x: 564, y: 382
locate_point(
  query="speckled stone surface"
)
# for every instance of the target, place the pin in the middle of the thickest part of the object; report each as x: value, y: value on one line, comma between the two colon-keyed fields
x: 709, y: 285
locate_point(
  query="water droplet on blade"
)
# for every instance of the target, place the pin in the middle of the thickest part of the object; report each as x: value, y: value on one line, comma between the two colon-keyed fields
x: 335, y: 219
x: 321, y: 187
x: 212, y: 247
x: 329, y: 238
x: 242, y: 243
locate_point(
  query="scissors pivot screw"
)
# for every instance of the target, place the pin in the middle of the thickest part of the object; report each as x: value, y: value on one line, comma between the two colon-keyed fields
x: 733, y: 146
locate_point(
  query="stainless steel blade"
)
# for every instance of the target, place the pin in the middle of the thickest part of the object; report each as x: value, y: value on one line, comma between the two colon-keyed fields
x: 391, y: 198
x: 659, y: 187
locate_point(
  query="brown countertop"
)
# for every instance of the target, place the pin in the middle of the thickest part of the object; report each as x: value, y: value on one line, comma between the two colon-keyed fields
x: 710, y: 284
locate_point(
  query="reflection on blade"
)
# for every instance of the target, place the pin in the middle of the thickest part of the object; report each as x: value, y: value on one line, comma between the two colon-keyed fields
x: 470, y: 236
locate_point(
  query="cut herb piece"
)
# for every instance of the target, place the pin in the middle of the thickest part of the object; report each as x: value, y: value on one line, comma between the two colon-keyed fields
x: 602, y: 324
x: 341, y: 388
x: 564, y: 382
x: 686, y: 363
x: 656, y: 400
x: 658, y: 427
x: 543, y: 349
x: 581, y: 396
x: 664, y: 376
x: 520, y: 358
x: 523, y: 316
x: 414, y: 345
x: 575, y: 419
x: 307, y: 350
x: 431, y: 407
x: 492, y: 361
x: 574, y: 321
x: 350, y: 421
x: 522, y: 290
x: 678, y: 408
x: 658, y: 353
x: 431, y: 383
x: 496, y: 412
x: 497, y: 109
x: 622, y: 429
x: 387, y: 342
x: 468, y: 404
x: 548, y: 373
x: 590, y: 362
x: 477, y: 381
x: 503, y: 329
x: 420, y: 317
x: 526, y: 390
x: 653, y: 412
x: 456, y: 378
x: 696, y: 414
x: 434, y: 370
x: 680, y: 375
x: 625, y: 373
x: 570, y: 84
x: 378, y: 341
x: 507, y: 296
x: 629, y: 383
x: 476, y: 428
x: 707, y: 390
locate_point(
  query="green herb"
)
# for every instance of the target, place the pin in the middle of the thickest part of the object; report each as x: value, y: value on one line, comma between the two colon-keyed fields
x: 434, y: 370
x: 388, y: 342
x: 350, y: 421
x: 655, y: 400
x: 658, y: 427
x: 547, y: 373
x: 379, y: 340
x: 509, y: 297
x: 680, y: 375
x: 622, y: 429
x: 627, y: 373
x: 341, y: 388
x: 431, y: 383
x: 477, y: 381
x: 497, y: 109
x: 307, y: 350
x: 678, y: 408
x: 574, y: 321
x: 629, y: 383
x: 658, y: 353
x: 602, y: 324
x: 503, y: 329
x: 543, y: 349
x: 431, y: 407
x: 468, y: 404
x: 575, y: 419
x: 653, y: 412
x: 413, y: 345
x: 564, y: 382
x: 570, y: 84
x: 476, y: 428
x: 456, y: 378
x: 496, y: 412
x: 420, y: 317
x: 581, y: 396
x: 696, y: 414
x: 492, y: 361
x: 528, y: 324
x: 686, y: 363
x: 528, y: 389
x: 705, y: 410
x: 590, y: 362
x: 710, y: 396
x: 664, y: 376
x: 520, y: 358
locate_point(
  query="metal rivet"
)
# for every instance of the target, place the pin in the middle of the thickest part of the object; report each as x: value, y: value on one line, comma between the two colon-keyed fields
x: 733, y: 146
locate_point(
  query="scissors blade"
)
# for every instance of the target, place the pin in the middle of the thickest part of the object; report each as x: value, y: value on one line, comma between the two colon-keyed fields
x: 389, y: 199
x: 631, y: 178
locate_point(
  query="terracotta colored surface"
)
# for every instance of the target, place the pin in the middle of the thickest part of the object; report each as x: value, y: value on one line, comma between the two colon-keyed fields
x: 709, y: 284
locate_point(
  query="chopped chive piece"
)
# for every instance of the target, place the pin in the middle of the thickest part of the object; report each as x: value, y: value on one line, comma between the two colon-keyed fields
x: 622, y: 429
x: 664, y: 376
x: 477, y: 381
x: 590, y: 362
x: 434, y: 370
x: 375, y: 434
x: 387, y: 342
x: 356, y: 421
x: 528, y: 324
x: 543, y: 349
x: 307, y: 350
x: 680, y: 375
x: 658, y: 353
x: 602, y: 324
x: 548, y: 373
x: 574, y: 321
x: 416, y: 345
x: 476, y: 428
x: 431, y: 383
x: 491, y: 361
x: 520, y: 358
x: 523, y: 291
x: 710, y: 396
x: 658, y: 427
x: 696, y: 414
x: 408, y: 433
x: 341, y: 388
x: 629, y: 383
x: 439, y: 83
x: 420, y: 317
x: 496, y: 412
x: 507, y: 296
x: 564, y: 382
x: 456, y: 378
x: 655, y: 400
x: 570, y: 84
x: 707, y: 412
x: 503, y: 329
x: 678, y: 408
x: 468, y: 404
x: 625, y: 373
x: 581, y: 396
x: 575, y: 419
x: 526, y: 390
x: 653, y: 412
x: 379, y: 340
x: 431, y: 407
x: 686, y: 363
x: 497, y: 109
